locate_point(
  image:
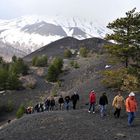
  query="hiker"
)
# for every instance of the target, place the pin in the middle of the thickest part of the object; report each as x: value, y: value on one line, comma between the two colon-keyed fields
x: 118, y: 103
x: 37, y: 107
x: 67, y: 101
x: 103, y: 101
x: 29, y: 110
x: 131, y: 107
x: 41, y: 107
x: 52, y: 103
x: 61, y: 102
x: 47, y: 104
x: 92, y: 101
x: 74, y: 99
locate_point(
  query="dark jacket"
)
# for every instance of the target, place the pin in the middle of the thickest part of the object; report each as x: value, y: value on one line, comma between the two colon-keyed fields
x: 67, y: 99
x: 75, y: 97
x: 52, y: 102
x: 103, y: 100
x: 61, y: 100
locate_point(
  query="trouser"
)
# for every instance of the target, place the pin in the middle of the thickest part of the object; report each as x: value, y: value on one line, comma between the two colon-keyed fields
x: 117, y: 112
x: 103, y: 110
x: 74, y: 104
x: 92, y: 105
x: 131, y: 116
x: 61, y: 106
x: 67, y: 105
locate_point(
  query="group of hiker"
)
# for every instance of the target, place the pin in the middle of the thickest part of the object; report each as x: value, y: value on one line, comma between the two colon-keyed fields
x: 50, y: 103
x: 130, y: 105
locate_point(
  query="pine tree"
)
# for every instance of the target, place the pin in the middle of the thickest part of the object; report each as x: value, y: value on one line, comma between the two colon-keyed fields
x: 126, y: 35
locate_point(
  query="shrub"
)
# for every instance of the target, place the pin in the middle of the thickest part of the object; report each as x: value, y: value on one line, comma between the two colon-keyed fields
x: 120, y: 79
x: 20, y: 111
x: 67, y: 53
x: 19, y: 67
x: 52, y: 74
x: 83, y: 52
x: 130, y: 83
x: 54, y: 70
x: 114, y: 78
x: 40, y: 61
x: 74, y: 64
x: 58, y: 64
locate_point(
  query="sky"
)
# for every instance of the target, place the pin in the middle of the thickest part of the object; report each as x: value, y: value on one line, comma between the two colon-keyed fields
x: 104, y: 11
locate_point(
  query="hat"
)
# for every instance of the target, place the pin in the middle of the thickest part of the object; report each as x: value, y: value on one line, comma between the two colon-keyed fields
x: 131, y: 94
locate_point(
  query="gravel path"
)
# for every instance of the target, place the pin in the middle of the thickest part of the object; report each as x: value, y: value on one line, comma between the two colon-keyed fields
x: 71, y: 125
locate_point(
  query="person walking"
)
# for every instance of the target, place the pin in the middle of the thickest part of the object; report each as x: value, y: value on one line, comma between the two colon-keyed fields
x: 47, y: 104
x: 103, y: 101
x: 118, y: 103
x: 61, y: 102
x: 92, y: 101
x: 131, y: 107
x: 67, y: 100
x: 74, y: 98
x: 52, y: 103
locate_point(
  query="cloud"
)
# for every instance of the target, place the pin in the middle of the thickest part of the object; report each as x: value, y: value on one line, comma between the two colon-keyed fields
x: 103, y: 10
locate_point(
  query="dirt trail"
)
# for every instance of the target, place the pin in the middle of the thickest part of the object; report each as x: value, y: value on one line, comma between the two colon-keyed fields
x: 71, y: 125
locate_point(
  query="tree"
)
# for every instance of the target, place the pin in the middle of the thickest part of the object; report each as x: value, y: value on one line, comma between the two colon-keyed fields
x: 3, y: 78
x: 13, y: 82
x: 54, y: 70
x: 14, y: 58
x: 1, y: 60
x: 125, y: 36
x: 19, y: 67
x: 52, y: 74
x: 58, y: 64
x: 34, y: 60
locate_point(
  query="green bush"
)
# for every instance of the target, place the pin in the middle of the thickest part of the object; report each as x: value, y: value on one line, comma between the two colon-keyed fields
x: 120, y: 79
x: 18, y: 67
x: 52, y: 74
x: 67, y: 53
x: 20, y: 111
x: 58, y: 64
x: 83, y: 52
x: 54, y: 70
x: 40, y: 61
x: 114, y: 78
x: 74, y: 64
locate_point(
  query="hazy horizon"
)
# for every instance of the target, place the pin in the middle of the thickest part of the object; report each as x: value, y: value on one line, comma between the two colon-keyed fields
x: 102, y: 11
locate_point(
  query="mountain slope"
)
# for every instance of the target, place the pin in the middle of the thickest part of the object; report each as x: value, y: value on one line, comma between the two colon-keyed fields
x: 29, y: 33
x: 57, y: 48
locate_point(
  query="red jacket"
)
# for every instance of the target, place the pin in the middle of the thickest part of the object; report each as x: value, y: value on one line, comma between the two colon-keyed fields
x: 92, y: 97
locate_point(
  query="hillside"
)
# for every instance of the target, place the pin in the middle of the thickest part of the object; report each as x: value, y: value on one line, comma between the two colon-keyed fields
x: 57, y: 48
x: 74, y: 124
x: 71, y: 125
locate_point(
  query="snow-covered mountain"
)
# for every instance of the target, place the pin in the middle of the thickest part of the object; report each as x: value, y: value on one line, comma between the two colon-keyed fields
x: 29, y: 33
